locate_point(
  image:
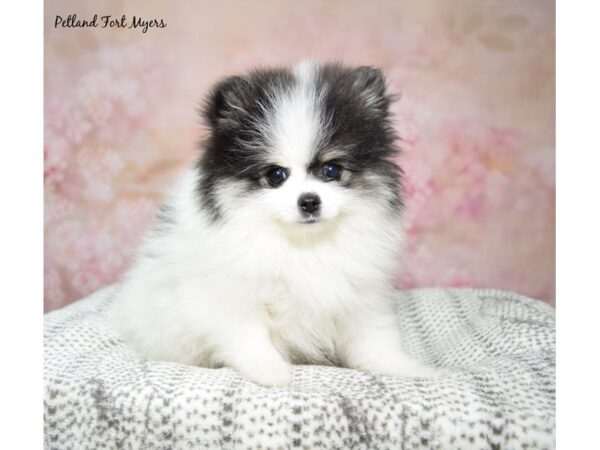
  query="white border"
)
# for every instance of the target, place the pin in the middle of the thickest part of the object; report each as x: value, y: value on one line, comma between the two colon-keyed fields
x: 21, y: 206
x: 578, y: 224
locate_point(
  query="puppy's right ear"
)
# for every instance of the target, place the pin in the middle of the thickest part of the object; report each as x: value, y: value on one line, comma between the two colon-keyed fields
x: 227, y: 103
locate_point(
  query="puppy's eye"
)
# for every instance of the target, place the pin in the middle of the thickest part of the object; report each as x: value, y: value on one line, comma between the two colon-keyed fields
x: 332, y: 171
x: 276, y: 176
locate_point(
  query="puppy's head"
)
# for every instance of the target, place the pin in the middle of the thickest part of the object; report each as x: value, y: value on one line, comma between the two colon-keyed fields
x: 303, y: 147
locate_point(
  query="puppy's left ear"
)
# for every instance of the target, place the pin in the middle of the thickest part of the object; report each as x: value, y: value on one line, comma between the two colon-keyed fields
x: 370, y: 83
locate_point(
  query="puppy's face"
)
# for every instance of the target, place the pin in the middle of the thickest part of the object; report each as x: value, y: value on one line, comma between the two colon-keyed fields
x: 304, y: 147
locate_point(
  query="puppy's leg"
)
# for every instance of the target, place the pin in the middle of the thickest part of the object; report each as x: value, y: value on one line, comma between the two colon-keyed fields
x: 247, y: 348
x: 372, y: 342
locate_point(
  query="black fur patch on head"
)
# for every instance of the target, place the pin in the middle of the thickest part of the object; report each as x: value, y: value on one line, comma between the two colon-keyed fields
x: 236, y: 110
x: 356, y: 108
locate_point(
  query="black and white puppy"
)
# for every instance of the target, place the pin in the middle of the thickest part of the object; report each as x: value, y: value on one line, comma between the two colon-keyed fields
x: 279, y: 247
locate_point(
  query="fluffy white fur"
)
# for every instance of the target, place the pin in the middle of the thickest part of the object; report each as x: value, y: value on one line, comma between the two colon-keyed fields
x: 259, y: 290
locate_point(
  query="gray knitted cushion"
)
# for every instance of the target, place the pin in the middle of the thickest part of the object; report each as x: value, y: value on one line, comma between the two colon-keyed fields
x: 497, y: 391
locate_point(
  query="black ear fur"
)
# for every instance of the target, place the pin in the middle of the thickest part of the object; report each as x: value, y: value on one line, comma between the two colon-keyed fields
x: 371, y: 78
x: 227, y: 103
x: 370, y: 81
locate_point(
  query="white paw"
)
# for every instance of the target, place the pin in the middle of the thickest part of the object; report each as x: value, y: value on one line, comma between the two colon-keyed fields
x: 272, y: 374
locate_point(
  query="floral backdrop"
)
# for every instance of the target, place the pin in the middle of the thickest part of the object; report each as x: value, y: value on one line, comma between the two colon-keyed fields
x: 476, y: 117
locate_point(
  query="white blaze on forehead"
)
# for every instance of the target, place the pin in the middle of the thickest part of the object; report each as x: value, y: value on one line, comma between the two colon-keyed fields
x: 296, y: 122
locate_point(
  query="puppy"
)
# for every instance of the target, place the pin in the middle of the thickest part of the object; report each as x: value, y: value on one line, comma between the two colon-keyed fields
x: 279, y: 246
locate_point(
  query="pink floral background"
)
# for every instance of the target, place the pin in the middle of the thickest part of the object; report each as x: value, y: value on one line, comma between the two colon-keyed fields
x: 476, y: 117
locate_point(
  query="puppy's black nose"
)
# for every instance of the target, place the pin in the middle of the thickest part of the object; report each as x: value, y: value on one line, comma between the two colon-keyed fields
x: 309, y: 203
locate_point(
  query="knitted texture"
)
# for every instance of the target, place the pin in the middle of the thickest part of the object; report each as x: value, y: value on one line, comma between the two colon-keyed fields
x: 497, y: 389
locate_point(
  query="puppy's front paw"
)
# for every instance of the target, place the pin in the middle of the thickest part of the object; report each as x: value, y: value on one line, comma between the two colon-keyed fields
x: 271, y: 374
x: 265, y: 367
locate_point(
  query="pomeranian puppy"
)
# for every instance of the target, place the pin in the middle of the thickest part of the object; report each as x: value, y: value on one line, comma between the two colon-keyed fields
x: 280, y: 245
